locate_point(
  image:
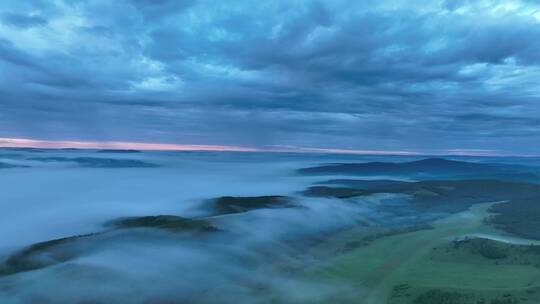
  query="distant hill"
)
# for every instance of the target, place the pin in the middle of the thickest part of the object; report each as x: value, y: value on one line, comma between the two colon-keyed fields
x: 118, y: 151
x: 95, y: 162
x: 5, y: 166
x: 23, y: 149
x: 430, y: 166
x: 361, y: 183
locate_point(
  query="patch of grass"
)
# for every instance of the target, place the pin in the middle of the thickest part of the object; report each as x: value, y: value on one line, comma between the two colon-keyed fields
x: 41, y: 255
x: 238, y: 204
x: 366, y: 240
x: 422, y: 295
x: 338, y: 192
x: 519, y: 216
x: 167, y: 222
x: 478, y: 250
x: 436, y: 296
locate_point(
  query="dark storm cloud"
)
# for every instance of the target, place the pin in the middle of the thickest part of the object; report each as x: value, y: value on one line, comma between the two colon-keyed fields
x: 389, y: 74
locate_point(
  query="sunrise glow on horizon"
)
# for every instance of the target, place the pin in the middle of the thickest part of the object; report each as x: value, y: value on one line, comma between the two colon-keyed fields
x: 10, y: 142
x: 124, y: 145
x: 65, y: 144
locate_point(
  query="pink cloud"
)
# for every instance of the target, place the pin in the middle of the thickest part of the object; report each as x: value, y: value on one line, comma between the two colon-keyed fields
x: 58, y: 144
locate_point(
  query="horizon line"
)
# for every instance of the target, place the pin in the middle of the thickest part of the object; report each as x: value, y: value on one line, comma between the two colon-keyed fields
x: 11, y: 142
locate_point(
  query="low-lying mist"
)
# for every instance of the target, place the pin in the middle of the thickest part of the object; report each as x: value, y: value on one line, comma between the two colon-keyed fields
x: 256, y: 256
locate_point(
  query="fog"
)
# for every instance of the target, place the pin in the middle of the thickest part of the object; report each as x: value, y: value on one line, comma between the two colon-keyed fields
x: 258, y: 256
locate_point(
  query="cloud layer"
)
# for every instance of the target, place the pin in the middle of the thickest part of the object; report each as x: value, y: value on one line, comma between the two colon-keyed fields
x: 373, y: 75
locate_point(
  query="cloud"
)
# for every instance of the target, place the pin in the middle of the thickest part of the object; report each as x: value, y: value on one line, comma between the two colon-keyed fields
x: 340, y: 74
x: 22, y: 21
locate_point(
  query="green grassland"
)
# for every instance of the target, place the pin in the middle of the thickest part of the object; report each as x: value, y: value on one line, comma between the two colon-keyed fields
x: 414, y: 267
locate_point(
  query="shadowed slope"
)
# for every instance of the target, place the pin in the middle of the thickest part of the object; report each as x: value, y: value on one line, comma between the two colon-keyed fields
x: 427, y: 168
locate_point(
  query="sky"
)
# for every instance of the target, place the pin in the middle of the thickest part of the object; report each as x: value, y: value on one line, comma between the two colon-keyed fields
x: 403, y: 76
